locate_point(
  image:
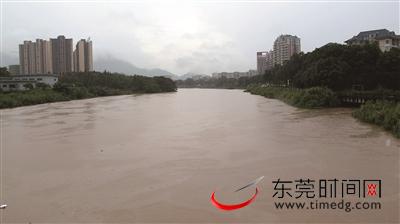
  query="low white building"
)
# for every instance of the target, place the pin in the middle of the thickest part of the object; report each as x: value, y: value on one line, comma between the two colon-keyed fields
x: 18, y: 82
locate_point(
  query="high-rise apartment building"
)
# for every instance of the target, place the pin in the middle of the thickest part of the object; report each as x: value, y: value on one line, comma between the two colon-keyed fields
x: 261, y: 62
x: 24, y: 58
x: 269, y: 60
x: 43, y: 57
x: 62, y: 59
x: 35, y: 57
x: 264, y: 61
x: 284, y: 47
x: 83, y: 56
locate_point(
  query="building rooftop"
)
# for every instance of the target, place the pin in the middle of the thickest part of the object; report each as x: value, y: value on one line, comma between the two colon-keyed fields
x: 380, y: 33
x: 34, y: 75
x: 13, y: 77
x: 16, y: 81
x: 288, y: 35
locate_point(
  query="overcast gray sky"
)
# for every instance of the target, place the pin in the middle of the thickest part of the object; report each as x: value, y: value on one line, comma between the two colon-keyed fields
x: 190, y: 36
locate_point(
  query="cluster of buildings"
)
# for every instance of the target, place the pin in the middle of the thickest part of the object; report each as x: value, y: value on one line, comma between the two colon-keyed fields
x: 234, y: 75
x: 284, y: 47
x: 41, y: 61
x: 54, y: 56
x: 287, y: 45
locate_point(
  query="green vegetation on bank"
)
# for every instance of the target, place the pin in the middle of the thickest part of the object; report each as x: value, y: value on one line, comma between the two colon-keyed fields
x: 355, y: 72
x: 340, y: 67
x: 381, y: 112
x: 315, y: 97
x: 86, y: 85
x: 30, y: 97
x: 106, y: 84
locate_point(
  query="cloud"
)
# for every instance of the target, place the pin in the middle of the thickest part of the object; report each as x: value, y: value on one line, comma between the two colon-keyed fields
x: 191, y: 36
x: 8, y: 59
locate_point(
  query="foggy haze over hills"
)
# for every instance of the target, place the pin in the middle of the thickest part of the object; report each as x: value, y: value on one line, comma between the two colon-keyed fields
x: 113, y: 64
x: 182, y: 37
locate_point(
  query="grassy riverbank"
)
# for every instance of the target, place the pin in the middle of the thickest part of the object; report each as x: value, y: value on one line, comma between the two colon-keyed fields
x: 383, y: 113
x: 30, y: 97
x: 87, y: 85
x: 315, y: 97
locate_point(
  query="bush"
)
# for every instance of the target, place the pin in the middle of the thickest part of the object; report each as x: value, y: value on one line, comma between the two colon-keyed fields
x: 381, y: 112
x: 314, y: 97
x: 28, y: 86
x: 30, y: 97
x: 42, y: 85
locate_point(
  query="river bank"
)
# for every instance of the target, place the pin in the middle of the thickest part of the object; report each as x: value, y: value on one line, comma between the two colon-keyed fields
x: 75, y: 86
x: 316, y: 97
x: 383, y: 113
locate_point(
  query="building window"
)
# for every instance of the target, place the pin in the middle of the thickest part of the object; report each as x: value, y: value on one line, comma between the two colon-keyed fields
x: 40, y: 79
x: 13, y: 86
x: 4, y: 86
x: 387, y: 41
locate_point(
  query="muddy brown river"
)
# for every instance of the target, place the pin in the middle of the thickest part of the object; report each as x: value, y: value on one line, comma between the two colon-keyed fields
x: 157, y: 158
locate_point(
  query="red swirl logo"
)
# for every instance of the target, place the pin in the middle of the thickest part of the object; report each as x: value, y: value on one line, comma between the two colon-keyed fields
x: 229, y: 207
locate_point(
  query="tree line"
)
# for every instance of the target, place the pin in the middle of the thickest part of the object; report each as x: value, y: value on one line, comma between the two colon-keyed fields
x: 340, y: 67
x: 106, y: 83
x: 83, y: 85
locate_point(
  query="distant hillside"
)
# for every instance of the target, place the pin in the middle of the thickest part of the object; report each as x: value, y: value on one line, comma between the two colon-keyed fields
x: 194, y: 76
x: 112, y: 64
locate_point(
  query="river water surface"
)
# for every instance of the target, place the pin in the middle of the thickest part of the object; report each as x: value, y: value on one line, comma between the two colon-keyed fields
x: 158, y: 157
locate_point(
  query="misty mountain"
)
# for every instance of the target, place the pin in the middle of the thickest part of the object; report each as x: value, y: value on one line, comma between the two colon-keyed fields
x: 8, y: 59
x: 117, y: 65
